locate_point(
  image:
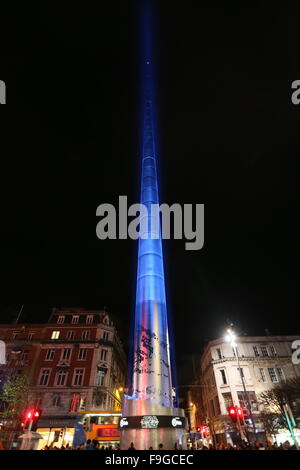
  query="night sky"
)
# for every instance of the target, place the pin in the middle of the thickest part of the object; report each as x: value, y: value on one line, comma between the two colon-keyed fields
x: 228, y: 138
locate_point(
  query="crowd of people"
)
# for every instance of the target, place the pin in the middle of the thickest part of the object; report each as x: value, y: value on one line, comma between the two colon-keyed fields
x: 243, y: 445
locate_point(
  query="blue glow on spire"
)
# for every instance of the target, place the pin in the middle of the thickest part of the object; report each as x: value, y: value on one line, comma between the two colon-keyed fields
x: 152, y: 375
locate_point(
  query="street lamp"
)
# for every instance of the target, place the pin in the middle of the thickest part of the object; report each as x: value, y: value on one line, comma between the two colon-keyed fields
x: 230, y: 338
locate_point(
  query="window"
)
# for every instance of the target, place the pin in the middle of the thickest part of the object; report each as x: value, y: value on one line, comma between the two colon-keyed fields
x: 219, y: 355
x: 223, y: 376
x: 262, y: 375
x: 56, y: 400
x: 245, y: 397
x: 103, y: 356
x: 235, y: 351
x: 55, y: 334
x: 82, y: 354
x: 280, y: 373
x: 105, y: 335
x: 78, y: 376
x: 273, y: 350
x: 273, y: 375
x: 75, y: 400
x: 70, y: 335
x: 30, y: 336
x: 25, y: 355
x: 256, y: 351
x: 14, y: 335
x: 240, y: 372
x: 85, y: 334
x: 264, y: 351
x: 75, y: 319
x: 100, y: 378
x: 50, y: 355
x: 66, y: 354
x: 89, y: 319
x: 61, y: 377
x: 61, y: 319
x: 44, y: 377
x: 227, y: 399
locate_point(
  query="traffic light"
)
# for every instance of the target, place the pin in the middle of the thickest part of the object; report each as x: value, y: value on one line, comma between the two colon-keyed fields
x: 87, y: 424
x: 232, y: 413
x: 32, y: 415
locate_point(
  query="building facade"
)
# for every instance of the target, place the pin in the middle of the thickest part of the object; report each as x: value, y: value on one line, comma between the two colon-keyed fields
x: 264, y: 361
x: 76, y: 367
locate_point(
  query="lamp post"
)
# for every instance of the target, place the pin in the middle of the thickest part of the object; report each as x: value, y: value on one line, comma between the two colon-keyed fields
x: 231, y: 339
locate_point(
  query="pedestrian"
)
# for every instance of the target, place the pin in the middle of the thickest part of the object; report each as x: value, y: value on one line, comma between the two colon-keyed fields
x: 161, y: 446
x: 131, y: 447
x: 88, y: 445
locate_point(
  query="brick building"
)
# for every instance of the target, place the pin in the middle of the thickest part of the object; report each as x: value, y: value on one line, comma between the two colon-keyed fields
x: 76, y: 367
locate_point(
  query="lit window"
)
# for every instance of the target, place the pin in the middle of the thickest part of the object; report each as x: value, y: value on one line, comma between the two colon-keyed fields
x: 61, y: 319
x: 55, y: 334
x: 273, y: 375
x: 75, y: 319
x: 44, y: 378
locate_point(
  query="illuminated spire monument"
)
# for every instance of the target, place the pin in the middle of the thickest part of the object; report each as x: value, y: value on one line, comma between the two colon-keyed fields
x: 149, y: 415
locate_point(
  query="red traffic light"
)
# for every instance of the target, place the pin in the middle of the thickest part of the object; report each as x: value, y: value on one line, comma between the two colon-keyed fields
x: 32, y: 414
x: 232, y: 413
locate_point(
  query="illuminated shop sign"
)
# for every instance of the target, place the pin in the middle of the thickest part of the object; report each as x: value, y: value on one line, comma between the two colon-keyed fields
x: 152, y: 422
x: 108, y: 432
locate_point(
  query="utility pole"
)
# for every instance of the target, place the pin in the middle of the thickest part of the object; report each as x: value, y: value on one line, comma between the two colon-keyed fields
x: 231, y: 338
